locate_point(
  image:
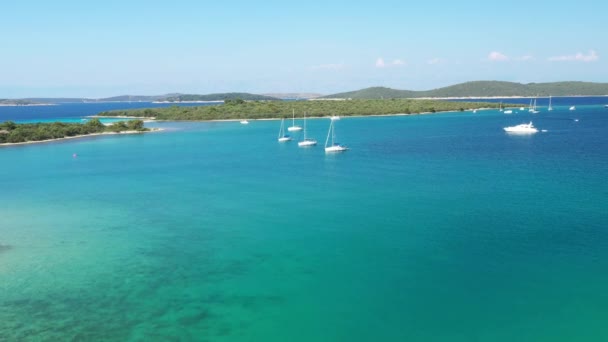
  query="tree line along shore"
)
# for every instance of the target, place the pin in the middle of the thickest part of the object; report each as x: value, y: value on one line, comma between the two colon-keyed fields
x: 240, y: 109
x: 12, y: 133
x: 231, y: 109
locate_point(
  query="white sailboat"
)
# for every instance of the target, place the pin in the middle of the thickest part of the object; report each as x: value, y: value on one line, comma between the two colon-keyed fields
x: 550, y: 107
x: 293, y: 127
x: 282, y: 136
x: 306, y: 142
x: 533, y: 108
x: 573, y: 108
x: 334, y: 147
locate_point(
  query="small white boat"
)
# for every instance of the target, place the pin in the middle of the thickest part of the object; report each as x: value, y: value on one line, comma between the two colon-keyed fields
x: 293, y: 127
x: 522, y: 129
x: 474, y: 111
x: 605, y: 106
x: 573, y: 108
x: 282, y: 136
x: 334, y: 147
x: 306, y: 142
x: 244, y: 122
x: 508, y: 111
x: 522, y: 108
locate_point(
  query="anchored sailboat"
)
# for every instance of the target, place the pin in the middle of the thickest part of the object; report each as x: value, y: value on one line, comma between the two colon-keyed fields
x: 282, y: 136
x: 293, y: 127
x: 334, y: 147
x: 533, y: 107
x: 307, y: 142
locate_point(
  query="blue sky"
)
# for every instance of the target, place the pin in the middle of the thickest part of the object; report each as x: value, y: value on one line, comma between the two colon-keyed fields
x: 97, y: 49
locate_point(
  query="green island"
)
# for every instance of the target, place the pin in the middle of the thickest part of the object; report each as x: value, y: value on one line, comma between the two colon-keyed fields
x: 483, y: 89
x: 219, y: 97
x: 240, y: 109
x: 13, y: 133
x: 18, y: 102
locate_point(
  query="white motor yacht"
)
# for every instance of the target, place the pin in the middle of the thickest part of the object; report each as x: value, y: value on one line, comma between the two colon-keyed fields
x: 523, y: 128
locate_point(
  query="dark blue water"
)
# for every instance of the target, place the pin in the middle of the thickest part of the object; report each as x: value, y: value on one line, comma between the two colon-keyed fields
x: 74, y: 110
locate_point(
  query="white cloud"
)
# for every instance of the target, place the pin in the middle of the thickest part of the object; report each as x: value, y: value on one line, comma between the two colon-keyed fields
x: 380, y: 63
x: 579, y: 57
x: 336, y: 66
x: 434, y: 61
x: 525, y: 58
x: 496, y: 56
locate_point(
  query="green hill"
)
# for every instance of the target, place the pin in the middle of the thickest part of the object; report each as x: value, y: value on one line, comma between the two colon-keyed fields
x: 375, y: 93
x: 483, y: 89
x: 220, y: 97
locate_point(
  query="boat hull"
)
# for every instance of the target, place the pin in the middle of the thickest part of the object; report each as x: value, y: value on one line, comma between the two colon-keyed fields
x: 521, y: 129
x: 335, y: 149
x: 307, y: 143
x: 294, y: 128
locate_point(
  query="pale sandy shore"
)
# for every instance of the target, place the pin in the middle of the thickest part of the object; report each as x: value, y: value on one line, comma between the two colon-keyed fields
x: 120, y: 117
x: 152, y: 130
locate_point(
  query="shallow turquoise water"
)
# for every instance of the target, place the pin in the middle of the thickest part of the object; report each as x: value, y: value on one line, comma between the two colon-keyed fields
x: 431, y: 228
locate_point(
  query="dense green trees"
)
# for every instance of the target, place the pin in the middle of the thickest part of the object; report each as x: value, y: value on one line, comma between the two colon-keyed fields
x: 15, y: 133
x: 277, y: 109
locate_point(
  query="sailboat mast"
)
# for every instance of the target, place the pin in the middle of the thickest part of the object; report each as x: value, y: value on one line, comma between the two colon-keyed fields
x: 333, y: 133
x: 304, y: 125
x: 293, y: 120
x: 331, y: 126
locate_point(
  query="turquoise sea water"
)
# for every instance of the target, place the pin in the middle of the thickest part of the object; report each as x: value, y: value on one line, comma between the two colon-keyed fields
x: 431, y: 228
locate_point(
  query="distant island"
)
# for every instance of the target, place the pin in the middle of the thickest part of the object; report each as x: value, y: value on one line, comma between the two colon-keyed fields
x: 218, y: 97
x: 475, y: 89
x: 294, y: 96
x: 175, y: 97
x: 482, y: 89
x: 12, y: 133
x: 9, y: 102
x: 240, y: 109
